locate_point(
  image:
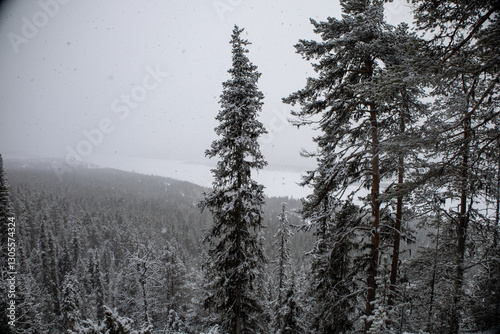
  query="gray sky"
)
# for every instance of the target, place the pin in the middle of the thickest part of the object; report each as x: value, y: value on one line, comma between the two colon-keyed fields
x: 142, y: 79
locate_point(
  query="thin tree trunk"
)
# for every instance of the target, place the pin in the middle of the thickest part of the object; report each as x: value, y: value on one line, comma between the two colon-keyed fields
x: 495, y: 237
x: 238, y: 316
x: 282, y: 260
x: 239, y: 225
x: 397, y: 225
x: 463, y: 220
x: 497, y: 215
x: 434, y: 270
x: 145, y: 301
x: 375, y: 216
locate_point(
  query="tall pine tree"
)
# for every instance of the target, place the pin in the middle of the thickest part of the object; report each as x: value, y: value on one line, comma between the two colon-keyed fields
x: 236, y: 199
x: 345, y: 101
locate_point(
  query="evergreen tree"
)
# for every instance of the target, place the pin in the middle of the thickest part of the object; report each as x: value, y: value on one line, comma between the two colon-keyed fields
x: 173, y: 275
x: 290, y: 313
x: 112, y: 323
x: 70, y: 303
x: 287, y: 309
x: 75, y: 253
x: 353, y: 115
x: 282, y: 237
x: 142, y: 264
x: 400, y: 90
x: 174, y: 323
x: 50, y: 276
x: 335, y: 268
x: 430, y: 275
x: 64, y: 265
x: 464, y: 68
x: 486, y: 295
x: 486, y: 304
x: 236, y: 199
x: 29, y: 315
x: 96, y: 284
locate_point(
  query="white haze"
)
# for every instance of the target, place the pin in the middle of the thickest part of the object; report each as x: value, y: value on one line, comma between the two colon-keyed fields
x: 135, y: 84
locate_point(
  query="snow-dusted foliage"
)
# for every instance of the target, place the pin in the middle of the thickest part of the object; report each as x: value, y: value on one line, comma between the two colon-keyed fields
x: 112, y: 324
x: 334, y: 286
x: 282, y: 261
x: 354, y: 100
x: 71, y: 304
x: 236, y: 253
x: 288, y: 312
x: 462, y: 134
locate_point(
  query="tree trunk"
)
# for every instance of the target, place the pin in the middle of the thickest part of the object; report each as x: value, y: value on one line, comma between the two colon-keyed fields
x: 145, y: 300
x: 238, y: 316
x: 281, y: 269
x: 497, y: 213
x: 397, y: 225
x: 375, y: 217
x: 463, y: 221
x: 434, y: 270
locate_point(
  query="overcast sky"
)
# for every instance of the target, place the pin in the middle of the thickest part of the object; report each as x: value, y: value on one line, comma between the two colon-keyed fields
x: 141, y: 79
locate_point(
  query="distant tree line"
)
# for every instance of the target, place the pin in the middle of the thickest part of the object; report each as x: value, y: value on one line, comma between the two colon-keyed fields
x: 107, y: 249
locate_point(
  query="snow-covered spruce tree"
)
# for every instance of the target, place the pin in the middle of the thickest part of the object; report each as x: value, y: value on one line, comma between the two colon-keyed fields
x: 345, y: 101
x: 30, y: 310
x: 71, y: 302
x: 287, y: 310
x: 335, y: 269
x: 50, y: 278
x: 291, y: 312
x: 236, y: 199
x: 95, y: 284
x: 5, y: 214
x: 142, y: 265
x: 282, y: 241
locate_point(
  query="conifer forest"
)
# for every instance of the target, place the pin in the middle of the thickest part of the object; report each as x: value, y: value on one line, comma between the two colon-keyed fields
x: 400, y: 232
